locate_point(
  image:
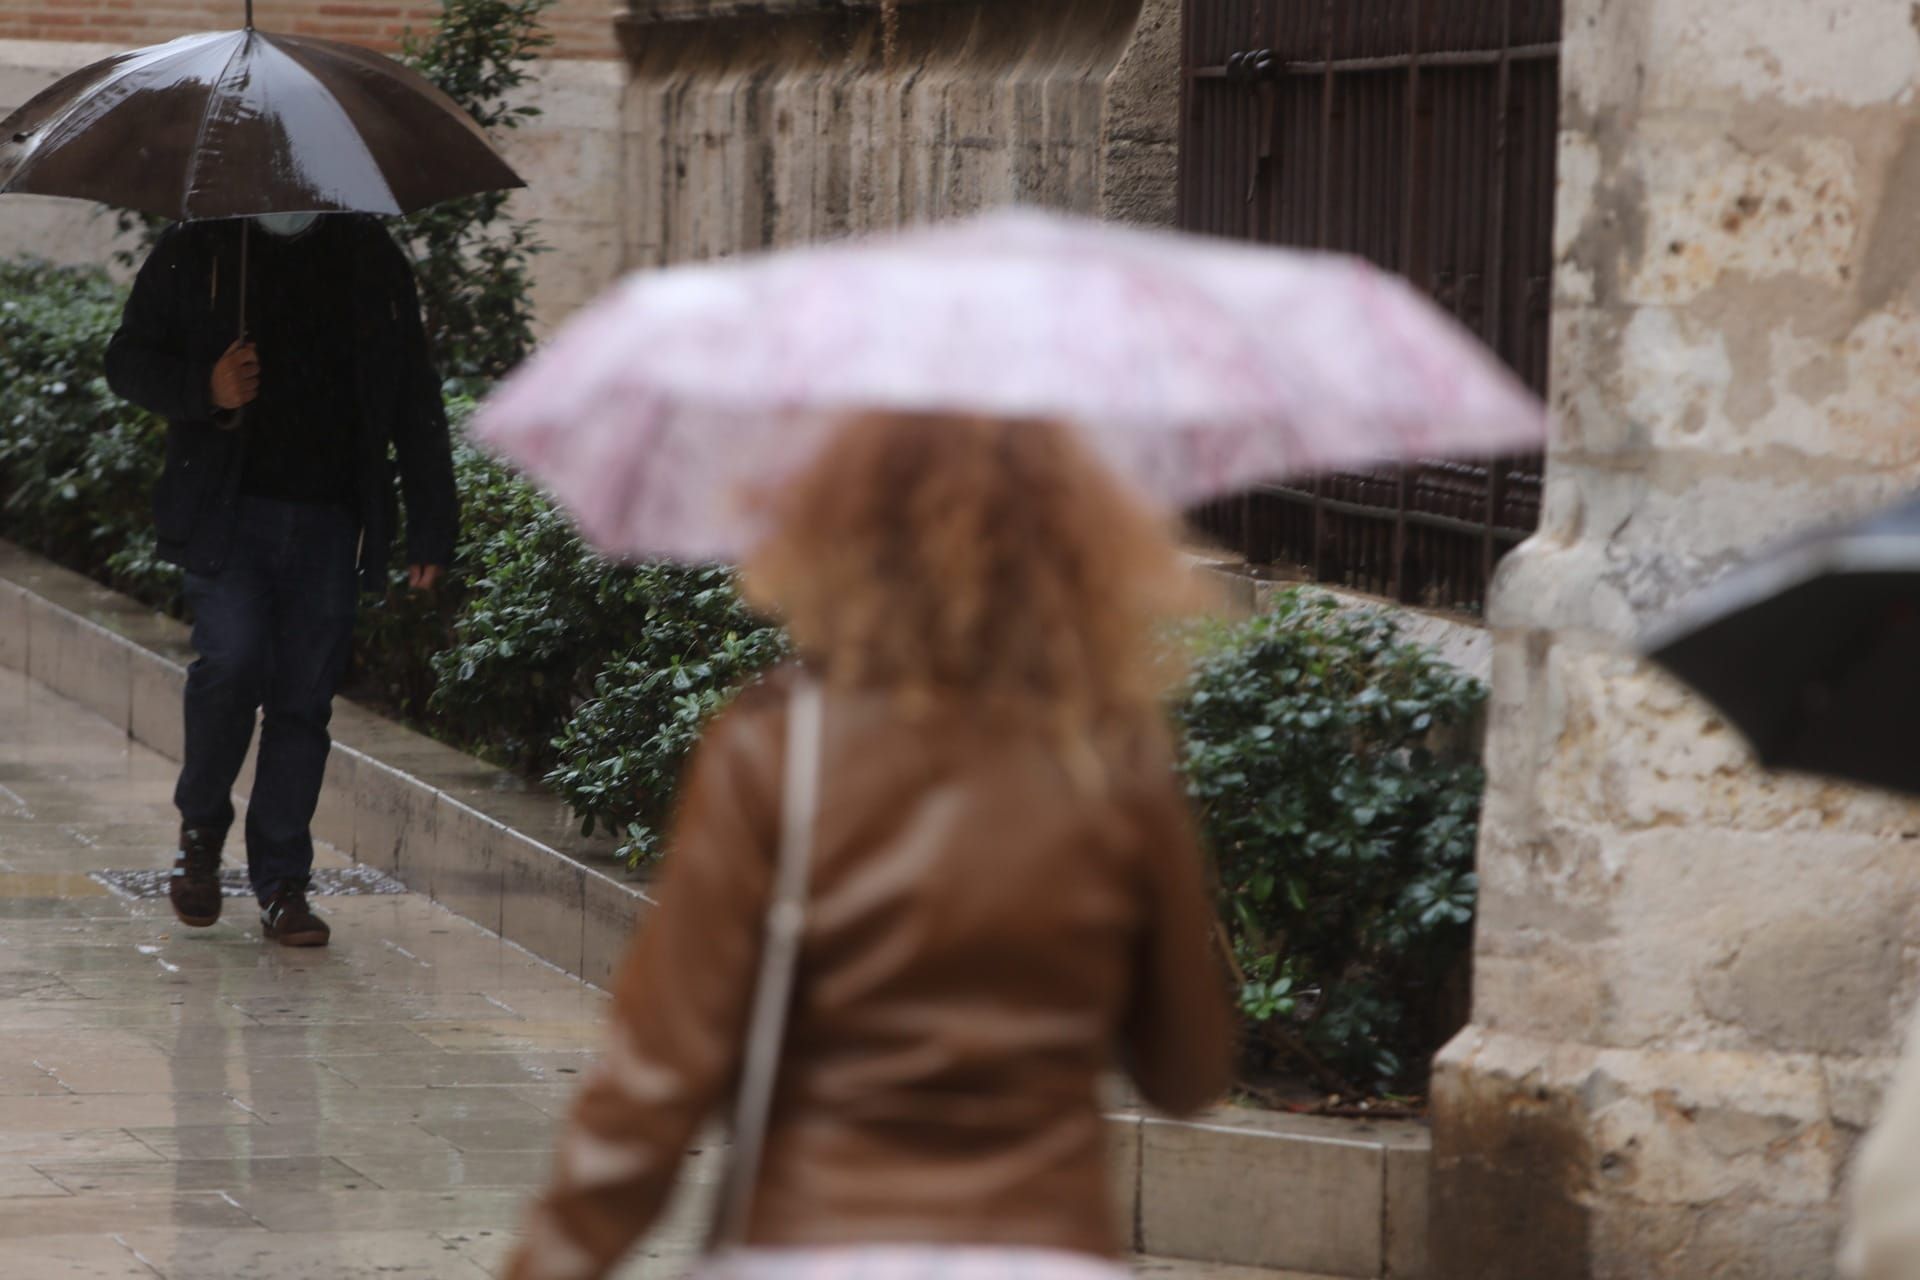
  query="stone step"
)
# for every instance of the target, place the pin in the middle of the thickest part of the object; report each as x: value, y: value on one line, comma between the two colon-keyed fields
x: 1181, y: 1269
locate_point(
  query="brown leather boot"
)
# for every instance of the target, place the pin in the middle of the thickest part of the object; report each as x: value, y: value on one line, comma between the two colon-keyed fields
x: 194, y: 889
x: 289, y: 921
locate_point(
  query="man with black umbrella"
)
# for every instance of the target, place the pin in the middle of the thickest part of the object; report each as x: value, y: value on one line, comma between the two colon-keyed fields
x: 277, y: 499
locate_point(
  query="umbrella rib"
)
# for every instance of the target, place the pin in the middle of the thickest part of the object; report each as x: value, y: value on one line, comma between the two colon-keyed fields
x: 206, y: 123
x: 325, y: 91
x: 51, y: 130
x: 54, y: 130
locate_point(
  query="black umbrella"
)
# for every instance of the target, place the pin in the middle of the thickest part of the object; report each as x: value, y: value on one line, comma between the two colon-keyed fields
x: 236, y: 123
x: 1813, y: 651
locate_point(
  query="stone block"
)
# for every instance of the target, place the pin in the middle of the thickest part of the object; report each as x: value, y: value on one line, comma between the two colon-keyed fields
x: 440, y: 766
x: 1236, y: 593
x: 1123, y: 1159
x: 1531, y: 985
x: 79, y: 660
x: 573, y: 172
x: 612, y: 910
x: 1603, y: 741
x: 1138, y: 182
x: 574, y: 94
x: 158, y: 634
x: 356, y: 726
x: 1512, y: 1162
x: 50, y: 632
x: 1591, y: 414
x: 1690, y: 1128
x: 1138, y: 105
x: 595, y: 258
x: 1739, y: 1241
x: 1255, y: 1198
x: 393, y: 823
x: 333, y: 818
x: 1821, y: 54
x: 1812, y: 982
x: 155, y: 688
x: 1552, y: 1159
x: 1551, y: 882
x: 543, y: 901
x: 13, y: 626
x: 1721, y: 954
x: 1736, y: 213
x: 1409, y: 1169
x: 544, y: 818
x: 465, y: 872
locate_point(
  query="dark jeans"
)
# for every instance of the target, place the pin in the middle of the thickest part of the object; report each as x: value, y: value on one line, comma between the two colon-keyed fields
x: 272, y: 629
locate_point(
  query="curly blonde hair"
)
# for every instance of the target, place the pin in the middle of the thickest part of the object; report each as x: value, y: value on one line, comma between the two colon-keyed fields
x: 975, y: 564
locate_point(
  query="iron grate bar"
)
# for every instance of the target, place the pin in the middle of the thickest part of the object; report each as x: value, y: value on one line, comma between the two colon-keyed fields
x: 1397, y: 62
x: 328, y: 882
x: 1397, y: 131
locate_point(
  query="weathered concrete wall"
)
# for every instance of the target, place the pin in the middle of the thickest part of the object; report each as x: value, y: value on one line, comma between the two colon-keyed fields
x: 1689, y: 977
x: 571, y: 159
x: 803, y: 120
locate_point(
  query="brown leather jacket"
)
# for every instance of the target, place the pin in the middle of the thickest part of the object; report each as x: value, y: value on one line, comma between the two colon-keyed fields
x: 984, y: 939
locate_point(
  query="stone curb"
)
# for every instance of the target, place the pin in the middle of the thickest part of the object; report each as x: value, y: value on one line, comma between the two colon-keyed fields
x: 484, y: 842
x: 1463, y: 643
x: 1243, y: 1188
x: 1330, y: 1197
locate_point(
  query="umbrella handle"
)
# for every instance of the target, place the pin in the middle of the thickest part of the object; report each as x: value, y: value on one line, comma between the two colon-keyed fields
x: 249, y: 15
x: 239, y: 417
x: 246, y: 238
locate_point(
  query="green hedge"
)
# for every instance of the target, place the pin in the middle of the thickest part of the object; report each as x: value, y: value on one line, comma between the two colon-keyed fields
x: 76, y: 460
x: 1325, y: 757
x: 1314, y: 738
x: 539, y: 654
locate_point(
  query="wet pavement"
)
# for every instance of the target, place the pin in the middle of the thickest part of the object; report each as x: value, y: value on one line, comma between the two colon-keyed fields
x: 193, y: 1103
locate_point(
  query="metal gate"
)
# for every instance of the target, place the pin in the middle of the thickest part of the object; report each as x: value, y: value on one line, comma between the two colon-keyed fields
x: 1419, y: 134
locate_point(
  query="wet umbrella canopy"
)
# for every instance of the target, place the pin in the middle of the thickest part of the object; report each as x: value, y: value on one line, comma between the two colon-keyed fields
x: 1813, y: 652
x: 237, y: 123
x: 1195, y: 366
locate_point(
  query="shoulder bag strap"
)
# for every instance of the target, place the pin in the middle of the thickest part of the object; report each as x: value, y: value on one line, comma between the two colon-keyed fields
x: 779, y: 960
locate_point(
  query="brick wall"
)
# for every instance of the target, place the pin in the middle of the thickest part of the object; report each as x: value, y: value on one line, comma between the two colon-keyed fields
x: 583, y: 28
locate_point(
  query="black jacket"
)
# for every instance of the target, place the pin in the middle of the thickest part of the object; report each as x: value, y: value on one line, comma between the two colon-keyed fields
x: 183, y: 315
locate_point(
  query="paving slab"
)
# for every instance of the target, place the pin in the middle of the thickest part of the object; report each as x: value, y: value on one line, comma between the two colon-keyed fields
x: 197, y: 1104
x: 178, y: 1102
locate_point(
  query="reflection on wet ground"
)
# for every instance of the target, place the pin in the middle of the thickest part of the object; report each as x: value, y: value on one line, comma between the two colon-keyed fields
x: 191, y: 1103
x: 195, y: 1104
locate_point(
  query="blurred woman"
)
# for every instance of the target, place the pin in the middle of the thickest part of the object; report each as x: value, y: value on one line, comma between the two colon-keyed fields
x: 1006, y: 897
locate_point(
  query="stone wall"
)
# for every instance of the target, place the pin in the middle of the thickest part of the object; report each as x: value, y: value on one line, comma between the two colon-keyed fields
x: 1690, y: 978
x: 802, y: 119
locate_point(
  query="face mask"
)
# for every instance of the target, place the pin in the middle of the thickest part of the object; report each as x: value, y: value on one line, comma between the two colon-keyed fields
x: 286, y: 224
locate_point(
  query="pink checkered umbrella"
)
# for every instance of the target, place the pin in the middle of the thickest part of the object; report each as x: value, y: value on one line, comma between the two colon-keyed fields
x: 1196, y: 366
